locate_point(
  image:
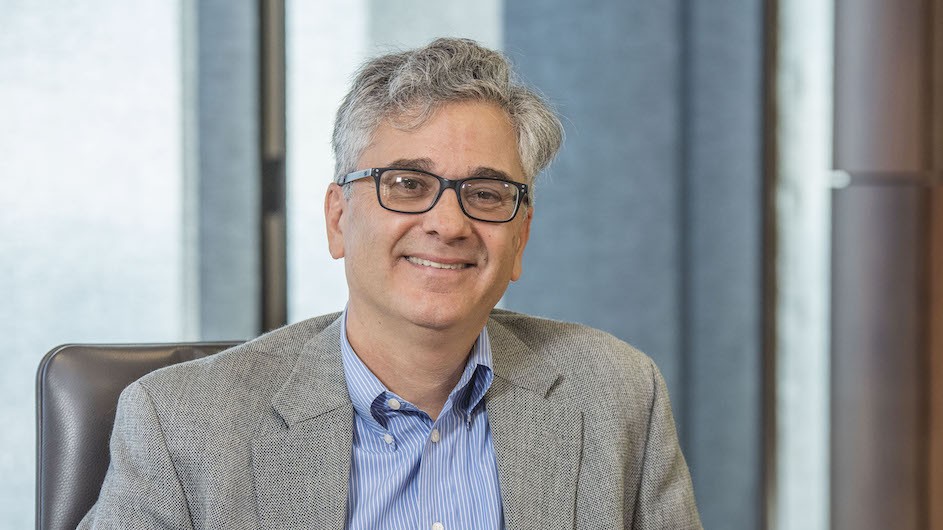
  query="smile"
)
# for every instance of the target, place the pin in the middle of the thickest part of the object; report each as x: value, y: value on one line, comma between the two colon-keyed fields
x: 435, y: 264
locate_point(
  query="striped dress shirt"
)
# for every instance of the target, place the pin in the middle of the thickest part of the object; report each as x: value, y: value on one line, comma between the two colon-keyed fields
x: 411, y: 473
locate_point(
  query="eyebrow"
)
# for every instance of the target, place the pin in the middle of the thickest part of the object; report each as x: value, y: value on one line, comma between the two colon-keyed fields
x: 422, y: 164
x: 425, y: 164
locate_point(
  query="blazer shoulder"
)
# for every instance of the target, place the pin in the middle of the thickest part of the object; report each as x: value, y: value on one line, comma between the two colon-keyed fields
x: 247, y: 367
x: 579, y: 350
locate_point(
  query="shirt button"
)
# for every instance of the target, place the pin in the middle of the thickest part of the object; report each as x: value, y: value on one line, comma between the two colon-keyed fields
x: 394, y: 404
x: 434, y: 435
x: 438, y: 526
x: 388, y: 438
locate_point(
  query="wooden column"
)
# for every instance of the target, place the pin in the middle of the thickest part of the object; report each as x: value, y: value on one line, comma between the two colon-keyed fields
x: 935, y: 267
x: 887, y: 307
x: 935, y: 350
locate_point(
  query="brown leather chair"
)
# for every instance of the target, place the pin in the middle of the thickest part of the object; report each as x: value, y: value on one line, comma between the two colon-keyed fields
x: 77, y: 388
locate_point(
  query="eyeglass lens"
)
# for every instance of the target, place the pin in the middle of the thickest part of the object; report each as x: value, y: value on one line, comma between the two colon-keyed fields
x: 411, y: 192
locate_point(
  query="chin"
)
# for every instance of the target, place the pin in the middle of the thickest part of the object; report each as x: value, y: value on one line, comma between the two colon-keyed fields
x: 440, y: 316
x: 443, y: 311
x: 437, y: 319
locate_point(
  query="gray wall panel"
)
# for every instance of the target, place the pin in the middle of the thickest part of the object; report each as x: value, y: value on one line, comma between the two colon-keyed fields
x: 605, y: 237
x: 723, y: 260
x: 649, y: 223
x: 229, y: 203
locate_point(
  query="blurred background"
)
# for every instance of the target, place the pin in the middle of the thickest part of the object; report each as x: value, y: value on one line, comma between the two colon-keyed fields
x: 749, y: 191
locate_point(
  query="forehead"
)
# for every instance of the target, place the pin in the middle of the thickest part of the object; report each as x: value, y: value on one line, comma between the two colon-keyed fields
x: 458, y: 138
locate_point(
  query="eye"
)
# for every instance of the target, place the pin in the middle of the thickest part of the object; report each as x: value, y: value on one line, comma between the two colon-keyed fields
x: 485, y: 196
x: 403, y: 185
x: 488, y: 193
x: 409, y: 184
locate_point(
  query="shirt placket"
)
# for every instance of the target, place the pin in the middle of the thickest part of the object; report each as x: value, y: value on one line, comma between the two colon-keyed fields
x: 436, y: 484
x: 407, y: 434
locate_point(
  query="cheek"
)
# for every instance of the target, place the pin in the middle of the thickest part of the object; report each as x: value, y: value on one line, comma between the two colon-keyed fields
x: 376, y: 235
x: 515, y: 240
x: 357, y: 237
x: 504, y: 249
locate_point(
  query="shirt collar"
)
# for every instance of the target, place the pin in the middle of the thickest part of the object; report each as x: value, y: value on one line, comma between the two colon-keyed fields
x: 365, y: 388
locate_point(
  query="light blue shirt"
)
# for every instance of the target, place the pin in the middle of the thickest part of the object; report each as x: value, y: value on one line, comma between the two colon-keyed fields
x: 408, y: 472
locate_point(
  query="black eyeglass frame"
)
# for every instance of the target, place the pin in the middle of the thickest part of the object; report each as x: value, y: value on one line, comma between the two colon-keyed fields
x: 444, y: 184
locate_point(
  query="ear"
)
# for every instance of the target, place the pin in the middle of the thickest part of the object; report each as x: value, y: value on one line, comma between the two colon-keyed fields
x: 334, y: 207
x: 522, y: 238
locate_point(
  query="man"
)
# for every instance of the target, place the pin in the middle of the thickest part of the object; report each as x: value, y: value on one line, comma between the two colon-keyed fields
x: 420, y: 406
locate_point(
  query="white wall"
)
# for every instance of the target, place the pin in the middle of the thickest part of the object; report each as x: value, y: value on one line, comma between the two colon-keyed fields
x: 803, y: 212
x: 91, y: 235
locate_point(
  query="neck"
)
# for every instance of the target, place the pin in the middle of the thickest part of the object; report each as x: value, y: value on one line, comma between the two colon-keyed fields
x: 419, y: 364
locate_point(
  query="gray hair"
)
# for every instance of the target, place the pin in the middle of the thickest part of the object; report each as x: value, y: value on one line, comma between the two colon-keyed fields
x: 407, y: 88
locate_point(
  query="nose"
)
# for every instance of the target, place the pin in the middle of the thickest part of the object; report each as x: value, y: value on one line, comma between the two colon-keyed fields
x: 446, y: 219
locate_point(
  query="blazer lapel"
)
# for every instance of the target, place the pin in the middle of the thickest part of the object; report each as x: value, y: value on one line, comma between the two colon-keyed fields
x: 301, y: 474
x: 538, y: 444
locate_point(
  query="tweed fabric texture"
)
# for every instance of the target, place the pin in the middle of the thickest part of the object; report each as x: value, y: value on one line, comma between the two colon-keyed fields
x: 260, y: 436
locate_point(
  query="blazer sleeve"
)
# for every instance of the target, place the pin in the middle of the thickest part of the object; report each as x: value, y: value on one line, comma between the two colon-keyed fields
x: 665, y: 496
x: 141, y: 489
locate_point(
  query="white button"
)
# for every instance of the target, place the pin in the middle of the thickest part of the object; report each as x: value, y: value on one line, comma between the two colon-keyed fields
x: 394, y: 404
x: 434, y: 435
x: 438, y: 526
x: 388, y: 438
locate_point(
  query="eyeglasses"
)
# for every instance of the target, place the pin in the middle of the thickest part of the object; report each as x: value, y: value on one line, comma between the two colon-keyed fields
x: 400, y: 190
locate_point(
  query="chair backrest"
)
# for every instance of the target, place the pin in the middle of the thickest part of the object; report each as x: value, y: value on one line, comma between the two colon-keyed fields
x: 77, y: 389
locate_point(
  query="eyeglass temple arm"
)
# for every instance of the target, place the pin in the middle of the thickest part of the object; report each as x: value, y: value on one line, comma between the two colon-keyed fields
x: 350, y: 177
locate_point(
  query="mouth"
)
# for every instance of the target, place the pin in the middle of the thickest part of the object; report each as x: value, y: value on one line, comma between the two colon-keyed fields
x: 435, y: 264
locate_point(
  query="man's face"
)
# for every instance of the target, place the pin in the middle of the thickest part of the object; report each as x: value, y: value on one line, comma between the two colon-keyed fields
x: 438, y: 269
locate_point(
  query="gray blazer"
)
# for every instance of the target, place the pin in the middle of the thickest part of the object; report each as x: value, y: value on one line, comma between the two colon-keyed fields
x: 260, y: 436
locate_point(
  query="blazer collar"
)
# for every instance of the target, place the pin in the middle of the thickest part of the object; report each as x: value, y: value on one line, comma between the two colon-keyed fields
x: 518, y: 363
x: 537, y: 440
x: 301, y: 474
x: 316, y: 384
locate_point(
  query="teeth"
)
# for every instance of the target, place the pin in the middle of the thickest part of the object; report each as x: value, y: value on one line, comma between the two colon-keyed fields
x: 434, y: 264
